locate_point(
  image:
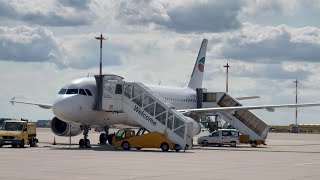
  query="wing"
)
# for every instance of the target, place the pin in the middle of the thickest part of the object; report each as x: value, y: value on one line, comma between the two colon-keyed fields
x: 270, y: 108
x: 247, y: 97
x: 44, y: 106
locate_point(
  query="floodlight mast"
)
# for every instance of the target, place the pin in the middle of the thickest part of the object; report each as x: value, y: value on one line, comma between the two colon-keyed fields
x: 227, y: 77
x: 296, y: 118
x: 100, y: 38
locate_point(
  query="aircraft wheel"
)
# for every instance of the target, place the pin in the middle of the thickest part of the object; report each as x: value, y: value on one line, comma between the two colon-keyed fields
x: 87, y: 143
x: 125, y: 145
x: 165, y: 147
x: 102, y: 138
x: 81, y: 143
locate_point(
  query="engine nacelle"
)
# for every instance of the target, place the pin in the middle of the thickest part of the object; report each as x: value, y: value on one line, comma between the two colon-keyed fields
x: 61, y: 128
x: 196, y: 128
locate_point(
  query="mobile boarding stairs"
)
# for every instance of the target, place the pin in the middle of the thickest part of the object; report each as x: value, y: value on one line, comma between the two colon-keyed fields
x: 145, y: 107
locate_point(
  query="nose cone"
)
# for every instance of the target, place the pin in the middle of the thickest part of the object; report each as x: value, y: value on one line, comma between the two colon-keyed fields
x: 62, y: 108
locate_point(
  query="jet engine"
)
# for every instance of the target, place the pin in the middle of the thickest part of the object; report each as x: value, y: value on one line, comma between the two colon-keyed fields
x: 61, y: 128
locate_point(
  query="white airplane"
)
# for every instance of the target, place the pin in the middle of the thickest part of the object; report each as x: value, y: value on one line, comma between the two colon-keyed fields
x: 73, y: 107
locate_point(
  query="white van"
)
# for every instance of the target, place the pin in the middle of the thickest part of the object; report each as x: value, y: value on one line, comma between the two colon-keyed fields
x: 221, y: 137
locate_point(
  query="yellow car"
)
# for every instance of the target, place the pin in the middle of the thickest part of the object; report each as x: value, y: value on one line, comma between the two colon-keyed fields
x: 127, y: 138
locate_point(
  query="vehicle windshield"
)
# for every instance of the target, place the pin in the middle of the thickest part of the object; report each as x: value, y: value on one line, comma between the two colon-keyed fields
x: 120, y: 133
x: 215, y: 133
x: 12, y: 126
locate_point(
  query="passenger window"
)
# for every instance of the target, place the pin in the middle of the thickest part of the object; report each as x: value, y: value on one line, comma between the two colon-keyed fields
x: 82, y: 92
x: 119, y: 89
x: 88, y: 92
x: 234, y: 133
x: 226, y: 133
x: 72, y: 91
x: 62, y: 91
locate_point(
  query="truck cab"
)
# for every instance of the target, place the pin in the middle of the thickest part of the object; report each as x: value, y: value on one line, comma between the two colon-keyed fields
x: 18, y: 133
x: 221, y: 137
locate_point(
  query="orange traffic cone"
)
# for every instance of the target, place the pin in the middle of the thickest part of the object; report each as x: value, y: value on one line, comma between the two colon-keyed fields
x: 54, y: 141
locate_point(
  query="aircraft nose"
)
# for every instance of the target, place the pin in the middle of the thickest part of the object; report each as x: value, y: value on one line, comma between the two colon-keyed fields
x: 61, y: 108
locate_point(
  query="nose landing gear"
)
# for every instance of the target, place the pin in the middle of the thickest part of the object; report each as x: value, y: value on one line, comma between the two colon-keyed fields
x: 85, y: 142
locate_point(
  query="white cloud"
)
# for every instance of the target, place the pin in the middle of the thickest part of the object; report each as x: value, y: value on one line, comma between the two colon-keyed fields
x: 50, y: 13
x: 270, y: 44
x: 191, y: 16
x: 29, y: 44
x: 270, y: 7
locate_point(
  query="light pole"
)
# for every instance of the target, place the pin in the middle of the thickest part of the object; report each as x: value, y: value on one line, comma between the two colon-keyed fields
x: 296, y: 123
x: 227, y: 74
x: 100, y: 38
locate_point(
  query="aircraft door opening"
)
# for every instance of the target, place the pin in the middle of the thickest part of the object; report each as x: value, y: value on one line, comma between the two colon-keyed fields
x: 112, y: 97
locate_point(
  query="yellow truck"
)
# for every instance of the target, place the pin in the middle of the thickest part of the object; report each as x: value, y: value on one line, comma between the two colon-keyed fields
x: 18, y: 133
x: 127, y: 138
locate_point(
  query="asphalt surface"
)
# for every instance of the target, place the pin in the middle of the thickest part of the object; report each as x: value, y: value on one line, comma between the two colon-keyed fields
x: 286, y: 156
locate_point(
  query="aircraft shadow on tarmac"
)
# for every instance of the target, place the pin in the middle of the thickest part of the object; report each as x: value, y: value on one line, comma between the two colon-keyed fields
x: 105, y: 147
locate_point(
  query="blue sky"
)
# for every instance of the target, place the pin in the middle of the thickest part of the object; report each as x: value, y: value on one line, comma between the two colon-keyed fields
x: 268, y: 44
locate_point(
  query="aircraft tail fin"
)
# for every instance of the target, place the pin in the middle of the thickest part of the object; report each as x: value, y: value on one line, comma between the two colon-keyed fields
x: 198, y: 69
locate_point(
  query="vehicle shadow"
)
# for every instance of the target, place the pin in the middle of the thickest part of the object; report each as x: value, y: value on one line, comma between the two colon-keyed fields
x: 261, y: 149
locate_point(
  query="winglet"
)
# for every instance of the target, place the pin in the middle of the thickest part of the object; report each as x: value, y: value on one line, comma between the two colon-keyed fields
x: 12, y: 101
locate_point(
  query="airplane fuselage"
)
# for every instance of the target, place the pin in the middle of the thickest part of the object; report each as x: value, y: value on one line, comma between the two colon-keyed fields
x: 78, y: 108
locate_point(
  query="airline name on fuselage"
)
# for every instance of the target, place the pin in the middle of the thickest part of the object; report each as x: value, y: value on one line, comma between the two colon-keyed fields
x: 145, y: 116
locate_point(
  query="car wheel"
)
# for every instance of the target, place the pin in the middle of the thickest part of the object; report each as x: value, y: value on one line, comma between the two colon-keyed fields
x: 177, y: 147
x: 125, y: 145
x: 253, y: 143
x: 139, y: 149
x: 204, y: 143
x: 233, y: 144
x: 1, y: 145
x: 14, y: 145
x: 165, y: 147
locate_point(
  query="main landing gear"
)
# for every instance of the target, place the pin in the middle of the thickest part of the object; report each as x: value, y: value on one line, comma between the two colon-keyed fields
x: 104, y: 137
x: 85, y: 142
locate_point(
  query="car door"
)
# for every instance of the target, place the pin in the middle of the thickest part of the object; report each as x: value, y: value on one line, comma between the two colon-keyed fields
x: 225, y: 136
x: 214, y: 137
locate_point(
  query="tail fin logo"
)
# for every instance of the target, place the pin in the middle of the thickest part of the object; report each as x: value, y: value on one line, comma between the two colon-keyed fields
x: 201, y: 64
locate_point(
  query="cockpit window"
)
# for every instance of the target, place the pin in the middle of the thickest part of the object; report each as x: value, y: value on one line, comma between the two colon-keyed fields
x: 82, y: 92
x: 88, y: 92
x: 72, y: 91
x: 62, y: 91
